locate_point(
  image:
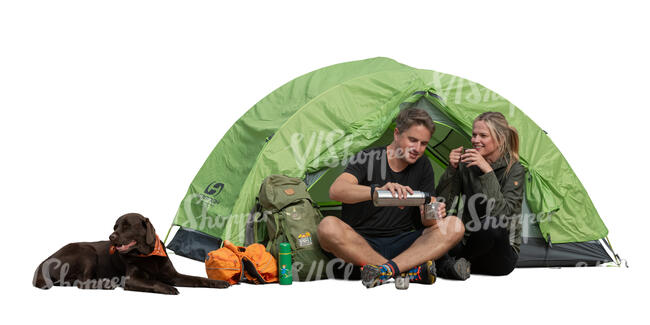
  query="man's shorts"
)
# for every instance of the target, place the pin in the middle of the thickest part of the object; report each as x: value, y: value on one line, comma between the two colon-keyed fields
x: 390, y: 247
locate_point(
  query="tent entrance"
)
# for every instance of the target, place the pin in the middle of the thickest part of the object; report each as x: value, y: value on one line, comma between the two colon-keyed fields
x: 447, y: 136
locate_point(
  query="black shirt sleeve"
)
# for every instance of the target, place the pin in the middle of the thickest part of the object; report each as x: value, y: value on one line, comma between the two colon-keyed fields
x: 358, y: 167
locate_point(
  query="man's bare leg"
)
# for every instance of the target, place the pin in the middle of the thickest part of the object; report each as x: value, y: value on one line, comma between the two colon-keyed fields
x: 434, y: 242
x: 338, y: 238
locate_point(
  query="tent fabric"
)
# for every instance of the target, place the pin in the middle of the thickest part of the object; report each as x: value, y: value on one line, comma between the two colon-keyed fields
x: 535, y: 253
x: 322, y: 118
x: 193, y: 244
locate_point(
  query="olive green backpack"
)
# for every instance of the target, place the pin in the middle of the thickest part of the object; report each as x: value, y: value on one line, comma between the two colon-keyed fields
x: 291, y: 216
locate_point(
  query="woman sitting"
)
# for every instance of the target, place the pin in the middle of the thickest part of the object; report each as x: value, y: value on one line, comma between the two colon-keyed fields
x: 490, y: 182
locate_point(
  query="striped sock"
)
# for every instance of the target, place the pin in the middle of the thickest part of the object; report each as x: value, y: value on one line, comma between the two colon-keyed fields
x: 393, y: 268
x: 387, y: 270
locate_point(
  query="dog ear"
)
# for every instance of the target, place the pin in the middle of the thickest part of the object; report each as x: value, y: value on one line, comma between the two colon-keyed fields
x: 151, y: 232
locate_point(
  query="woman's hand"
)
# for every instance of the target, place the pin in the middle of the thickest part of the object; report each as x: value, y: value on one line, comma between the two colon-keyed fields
x: 454, y: 157
x: 472, y: 158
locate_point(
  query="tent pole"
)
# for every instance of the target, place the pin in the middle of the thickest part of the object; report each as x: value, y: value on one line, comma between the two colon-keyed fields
x: 616, y: 257
x: 168, y: 231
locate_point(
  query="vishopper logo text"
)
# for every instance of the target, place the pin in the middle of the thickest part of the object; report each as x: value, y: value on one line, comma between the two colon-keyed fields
x: 489, y: 220
x: 322, y: 148
x: 54, y: 264
x: 321, y: 145
x: 458, y: 90
x: 201, y: 219
x: 343, y: 270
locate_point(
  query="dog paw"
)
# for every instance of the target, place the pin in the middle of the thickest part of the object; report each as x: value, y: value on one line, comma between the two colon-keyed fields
x: 173, y: 291
x: 165, y: 289
x: 219, y: 284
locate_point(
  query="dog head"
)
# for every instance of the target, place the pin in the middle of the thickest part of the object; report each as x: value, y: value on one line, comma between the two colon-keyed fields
x: 133, y: 234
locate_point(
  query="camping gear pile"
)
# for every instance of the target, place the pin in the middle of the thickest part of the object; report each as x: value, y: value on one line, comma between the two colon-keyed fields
x: 236, y: 264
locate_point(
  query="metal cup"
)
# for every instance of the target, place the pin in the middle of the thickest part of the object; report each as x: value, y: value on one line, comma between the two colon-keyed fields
x: 431, y: 211
x: 402, y: 282
x: 464, y: 151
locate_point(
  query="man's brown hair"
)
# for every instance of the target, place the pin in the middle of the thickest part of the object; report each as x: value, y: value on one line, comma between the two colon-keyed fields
x: 414, y: 116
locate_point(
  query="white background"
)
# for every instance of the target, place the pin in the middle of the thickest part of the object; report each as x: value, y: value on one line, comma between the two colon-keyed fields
x: 112, y: 107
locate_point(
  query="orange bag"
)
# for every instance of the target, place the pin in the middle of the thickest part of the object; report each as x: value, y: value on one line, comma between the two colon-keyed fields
x: 232, y: 263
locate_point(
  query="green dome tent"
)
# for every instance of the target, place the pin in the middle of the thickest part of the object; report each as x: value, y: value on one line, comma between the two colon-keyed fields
x: 310, y: 126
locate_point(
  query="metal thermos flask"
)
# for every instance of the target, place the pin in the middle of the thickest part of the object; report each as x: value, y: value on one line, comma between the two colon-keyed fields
x: 384, y: 198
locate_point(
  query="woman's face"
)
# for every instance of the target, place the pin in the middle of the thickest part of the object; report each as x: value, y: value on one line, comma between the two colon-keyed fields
x: 484, y: 143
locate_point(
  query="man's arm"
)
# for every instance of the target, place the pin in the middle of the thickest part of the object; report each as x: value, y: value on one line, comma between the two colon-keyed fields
x: 346, y: 189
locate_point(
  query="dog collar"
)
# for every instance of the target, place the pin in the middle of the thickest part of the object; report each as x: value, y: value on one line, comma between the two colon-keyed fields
x: 158, y: 250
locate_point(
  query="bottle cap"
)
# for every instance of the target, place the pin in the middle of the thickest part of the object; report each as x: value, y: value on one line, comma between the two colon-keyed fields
x: 285, y: 248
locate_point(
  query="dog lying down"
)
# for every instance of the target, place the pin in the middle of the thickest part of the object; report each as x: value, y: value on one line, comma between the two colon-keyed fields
x: 133, y: 258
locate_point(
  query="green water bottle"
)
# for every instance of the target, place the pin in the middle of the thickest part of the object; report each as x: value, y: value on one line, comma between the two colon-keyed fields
x: 284, y: 264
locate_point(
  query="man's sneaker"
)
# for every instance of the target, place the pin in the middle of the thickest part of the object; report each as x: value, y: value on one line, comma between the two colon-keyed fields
x: 425, y: 273
x: 454, y: 269
x: 374, y: 275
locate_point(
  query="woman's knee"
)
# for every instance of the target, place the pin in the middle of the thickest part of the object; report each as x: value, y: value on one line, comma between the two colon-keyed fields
x: 491, y: 234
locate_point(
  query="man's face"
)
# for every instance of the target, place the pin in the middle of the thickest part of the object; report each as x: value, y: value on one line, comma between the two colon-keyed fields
x: 412, y: 143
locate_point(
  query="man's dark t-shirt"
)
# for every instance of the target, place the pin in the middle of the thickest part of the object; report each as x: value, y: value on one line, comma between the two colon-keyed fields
x: 370, y: 166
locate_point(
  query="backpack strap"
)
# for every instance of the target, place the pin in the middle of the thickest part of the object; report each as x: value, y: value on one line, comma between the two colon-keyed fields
x: 250, y: 234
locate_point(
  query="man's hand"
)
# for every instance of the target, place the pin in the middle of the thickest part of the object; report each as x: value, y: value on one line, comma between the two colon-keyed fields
x: 442, y: 210
x: 442, y: 213
x: 398, y: 191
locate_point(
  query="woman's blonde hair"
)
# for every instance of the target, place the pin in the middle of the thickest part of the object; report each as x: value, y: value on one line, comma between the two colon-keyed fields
x: 505, y: 135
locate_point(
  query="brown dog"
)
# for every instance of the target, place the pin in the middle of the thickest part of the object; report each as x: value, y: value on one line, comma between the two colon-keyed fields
x: 134, y: 258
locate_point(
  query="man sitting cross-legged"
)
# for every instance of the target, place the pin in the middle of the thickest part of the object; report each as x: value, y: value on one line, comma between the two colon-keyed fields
x: 389, y: 241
